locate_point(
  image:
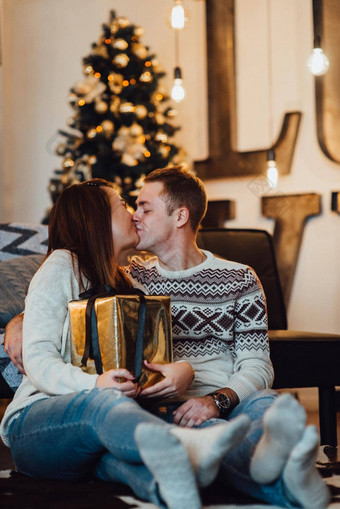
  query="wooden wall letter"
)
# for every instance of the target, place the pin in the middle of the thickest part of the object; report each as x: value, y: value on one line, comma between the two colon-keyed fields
x: 326, y: 16
x: 223, y: 160
x: 290, y: 213
x: 218, y: 212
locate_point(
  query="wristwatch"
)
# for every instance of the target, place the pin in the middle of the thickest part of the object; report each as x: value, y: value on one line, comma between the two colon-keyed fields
x: 221, y: 401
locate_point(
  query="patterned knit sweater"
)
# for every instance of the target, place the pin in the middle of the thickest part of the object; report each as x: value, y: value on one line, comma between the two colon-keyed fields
x: 219, y: 322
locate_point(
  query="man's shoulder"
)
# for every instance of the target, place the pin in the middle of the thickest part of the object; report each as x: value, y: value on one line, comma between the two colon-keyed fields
x: 138, y: 263
x: 217, y: 262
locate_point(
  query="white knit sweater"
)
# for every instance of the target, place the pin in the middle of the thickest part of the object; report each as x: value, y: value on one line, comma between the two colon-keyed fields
x: 47, y: 347
x: 219, y: 322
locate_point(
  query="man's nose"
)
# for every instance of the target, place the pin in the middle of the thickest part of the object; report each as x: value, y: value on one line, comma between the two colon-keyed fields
x: 135, y: 217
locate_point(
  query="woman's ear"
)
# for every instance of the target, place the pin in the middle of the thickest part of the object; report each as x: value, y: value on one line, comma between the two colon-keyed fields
x: 182, y: 216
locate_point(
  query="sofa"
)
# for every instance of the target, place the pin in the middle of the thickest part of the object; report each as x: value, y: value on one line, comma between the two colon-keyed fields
x: 22, y: 250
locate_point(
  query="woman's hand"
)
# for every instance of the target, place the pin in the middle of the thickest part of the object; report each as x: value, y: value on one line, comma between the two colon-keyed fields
x: 111, y: 379
x: 177, y: 378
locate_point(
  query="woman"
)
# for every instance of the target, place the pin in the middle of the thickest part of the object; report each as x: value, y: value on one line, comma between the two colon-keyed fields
x: 64, y: 423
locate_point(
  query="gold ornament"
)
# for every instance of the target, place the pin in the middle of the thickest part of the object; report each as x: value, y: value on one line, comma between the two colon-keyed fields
x: 172, y: 113
x: 101, y: 106
x: 114, y: 106
x: 72, y: 98
x: 126, y: 107
x: 161, y: 136
x: 114, y: 27
x: 91, y: 133
x: 90, y: 88
x: 108, y: 126
x: 61, y: 149
x: 146, y: 77
x: 67, y: 163
x: 120, y: 44
x: 121, y: 60
x: 115, y: 82
x: 156, y: 67
x: 101, y: 50
x: 92, y: 160
x: 136, y: 129
x: 136, y: 150
x: 123, y: 22
x: 141, y: 111
x: 129, y: 160
x: 139, y: 50
x: 65, y: 179
x: 159, y: 118
x: 88, y: 70
x: 163, y: 150
x: 138, y: 31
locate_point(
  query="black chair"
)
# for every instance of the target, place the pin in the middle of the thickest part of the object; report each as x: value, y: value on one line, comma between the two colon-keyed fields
x: 300, y: 359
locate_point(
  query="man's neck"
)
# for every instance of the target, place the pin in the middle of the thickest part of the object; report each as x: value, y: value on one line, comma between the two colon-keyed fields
x: 181, y: 257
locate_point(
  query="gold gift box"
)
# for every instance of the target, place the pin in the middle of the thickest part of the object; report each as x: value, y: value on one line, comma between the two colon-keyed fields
x: 117, y: 324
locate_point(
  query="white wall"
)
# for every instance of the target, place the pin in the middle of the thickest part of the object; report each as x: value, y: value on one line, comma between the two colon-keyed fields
x: 44, y: 42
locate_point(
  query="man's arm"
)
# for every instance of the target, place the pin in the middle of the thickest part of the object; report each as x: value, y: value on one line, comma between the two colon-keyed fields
x: 253, y: 370
x: 13, y: 342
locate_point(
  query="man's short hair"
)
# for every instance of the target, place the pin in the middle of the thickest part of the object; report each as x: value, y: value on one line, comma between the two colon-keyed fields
x: 182, y: 188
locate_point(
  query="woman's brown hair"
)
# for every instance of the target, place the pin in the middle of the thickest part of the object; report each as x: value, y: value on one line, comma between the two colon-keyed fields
x: 80, y: 222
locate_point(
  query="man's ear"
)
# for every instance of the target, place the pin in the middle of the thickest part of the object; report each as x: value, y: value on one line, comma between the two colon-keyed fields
x: 182, y: 216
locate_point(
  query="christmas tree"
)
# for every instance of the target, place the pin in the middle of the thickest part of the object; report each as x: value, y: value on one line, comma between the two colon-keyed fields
x: 121, y: 126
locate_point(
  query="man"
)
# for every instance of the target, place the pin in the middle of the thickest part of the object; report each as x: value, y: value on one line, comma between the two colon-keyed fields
x: 220, y: 327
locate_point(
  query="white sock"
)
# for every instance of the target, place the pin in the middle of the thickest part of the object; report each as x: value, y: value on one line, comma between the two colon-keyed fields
x: 300, y: 477
x: 283, y: 426
x: 208, y: 446
x: 168, y: 461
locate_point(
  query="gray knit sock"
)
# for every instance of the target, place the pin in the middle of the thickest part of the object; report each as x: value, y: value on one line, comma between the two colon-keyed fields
x: 283, y: 426
x: 300, y: 477
x: 168, y: 461
x: 208, y: 446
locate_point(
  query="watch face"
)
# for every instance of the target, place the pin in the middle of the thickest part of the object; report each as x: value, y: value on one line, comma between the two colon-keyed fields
x: 223, y: 401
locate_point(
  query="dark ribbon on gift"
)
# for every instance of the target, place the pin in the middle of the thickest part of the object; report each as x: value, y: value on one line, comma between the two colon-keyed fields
x: 92, y: 348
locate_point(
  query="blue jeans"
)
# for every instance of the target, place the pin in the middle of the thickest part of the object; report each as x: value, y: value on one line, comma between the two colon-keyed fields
x: 69, y: 436
x: 235, y: 466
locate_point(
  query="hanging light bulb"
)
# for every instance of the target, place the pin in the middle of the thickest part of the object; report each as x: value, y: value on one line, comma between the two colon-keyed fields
x: 318, y: 63
x: 272, y: 173
x: 178, y: 16
x: 177, y: 91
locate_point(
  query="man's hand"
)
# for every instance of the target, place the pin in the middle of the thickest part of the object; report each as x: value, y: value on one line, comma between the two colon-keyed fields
x: 177, y: 378
x: 13, y: 342
x: 195, y: 411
